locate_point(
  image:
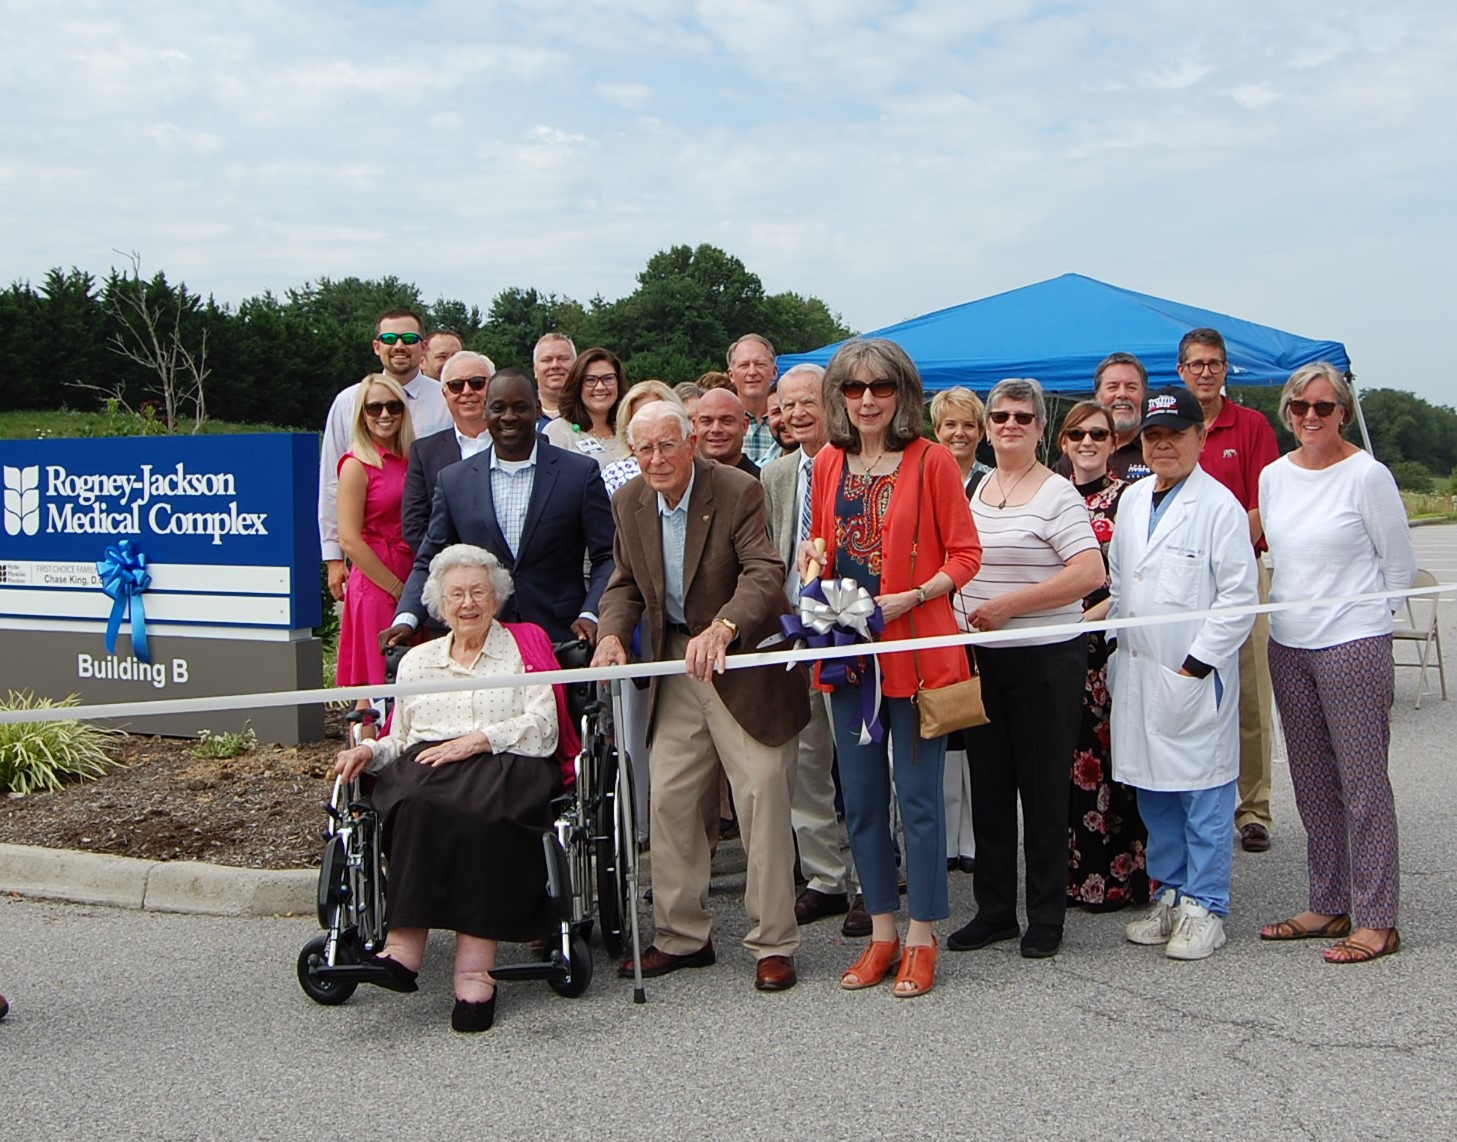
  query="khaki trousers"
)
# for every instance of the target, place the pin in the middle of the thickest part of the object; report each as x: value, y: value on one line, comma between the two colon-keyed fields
x: 694, y: 730
x: 1255, y: 719
x: 812, y: 802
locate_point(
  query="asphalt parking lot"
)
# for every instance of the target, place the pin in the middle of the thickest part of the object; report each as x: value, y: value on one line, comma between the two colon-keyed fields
x: 138, y: 1024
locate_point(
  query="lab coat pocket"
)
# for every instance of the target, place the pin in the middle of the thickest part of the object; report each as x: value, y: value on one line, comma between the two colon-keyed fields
x: 1183, y: 708
x: 1179, y: 578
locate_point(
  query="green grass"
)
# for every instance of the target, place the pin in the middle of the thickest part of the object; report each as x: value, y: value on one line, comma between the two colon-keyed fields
x: 41, y: 757
x: 52, y: 424
x: 1429, y: 505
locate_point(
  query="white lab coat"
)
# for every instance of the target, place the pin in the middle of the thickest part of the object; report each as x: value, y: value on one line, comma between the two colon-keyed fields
x: 1168, y: 731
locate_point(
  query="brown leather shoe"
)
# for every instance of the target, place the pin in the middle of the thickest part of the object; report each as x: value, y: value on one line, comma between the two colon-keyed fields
x: 1254, y: 838
x: 813, y: 905
x: 857, y: 923
x: 656, y: 962
x: 775, y: 973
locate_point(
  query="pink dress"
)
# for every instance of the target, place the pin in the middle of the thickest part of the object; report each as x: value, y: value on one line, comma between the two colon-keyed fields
x: 367, y: 609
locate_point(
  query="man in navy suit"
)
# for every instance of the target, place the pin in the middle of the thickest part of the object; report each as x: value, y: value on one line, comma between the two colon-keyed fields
x: 542, y: 511
x: 464, y: 379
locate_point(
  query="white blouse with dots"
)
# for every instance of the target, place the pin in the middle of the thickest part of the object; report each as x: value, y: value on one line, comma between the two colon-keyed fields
x: 519, y: 719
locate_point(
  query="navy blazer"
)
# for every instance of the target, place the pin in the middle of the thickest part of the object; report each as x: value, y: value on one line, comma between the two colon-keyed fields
x: 428, y: 456
x: 568, y: 524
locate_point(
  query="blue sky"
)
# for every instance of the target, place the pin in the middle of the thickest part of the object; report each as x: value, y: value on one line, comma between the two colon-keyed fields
x: 1293, y: 163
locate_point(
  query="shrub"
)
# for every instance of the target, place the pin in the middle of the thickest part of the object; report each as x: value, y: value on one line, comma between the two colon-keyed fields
x: 40, y: 757
x: 1411, y: 476
x: 224, y: 746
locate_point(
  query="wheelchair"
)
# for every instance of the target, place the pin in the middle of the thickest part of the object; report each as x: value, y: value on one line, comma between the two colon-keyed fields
x: 591, y: 864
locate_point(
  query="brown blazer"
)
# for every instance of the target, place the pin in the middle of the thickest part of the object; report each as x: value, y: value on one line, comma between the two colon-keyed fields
x: 731, y: 570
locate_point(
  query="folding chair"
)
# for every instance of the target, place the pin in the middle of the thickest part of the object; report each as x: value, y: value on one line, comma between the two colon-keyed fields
x: 1421, y: 626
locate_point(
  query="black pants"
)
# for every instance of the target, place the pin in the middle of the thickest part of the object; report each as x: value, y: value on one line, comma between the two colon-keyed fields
x: 1034, y: 698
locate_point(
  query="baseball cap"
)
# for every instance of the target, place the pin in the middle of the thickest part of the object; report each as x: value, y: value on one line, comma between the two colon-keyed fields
x: 1173, y: 407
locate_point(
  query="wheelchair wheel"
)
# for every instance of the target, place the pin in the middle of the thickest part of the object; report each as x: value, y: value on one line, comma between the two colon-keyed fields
x: 612, y: 901
x: 330, y: 993
x: 581, y: 971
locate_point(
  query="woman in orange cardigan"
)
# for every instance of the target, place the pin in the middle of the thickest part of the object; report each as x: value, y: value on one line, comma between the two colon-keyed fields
x: 893, y: 517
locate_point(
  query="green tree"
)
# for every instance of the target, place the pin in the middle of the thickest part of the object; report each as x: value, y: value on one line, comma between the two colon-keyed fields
x: 519, y: 317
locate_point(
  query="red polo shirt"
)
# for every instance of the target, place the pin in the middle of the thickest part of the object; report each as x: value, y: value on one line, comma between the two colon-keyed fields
x: 1237, y: 447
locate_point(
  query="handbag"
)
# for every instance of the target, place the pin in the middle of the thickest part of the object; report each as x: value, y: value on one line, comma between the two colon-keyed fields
x: 943, y: 709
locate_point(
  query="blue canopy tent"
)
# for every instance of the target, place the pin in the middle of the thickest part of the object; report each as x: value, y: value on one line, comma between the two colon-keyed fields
x: 1058, y: 331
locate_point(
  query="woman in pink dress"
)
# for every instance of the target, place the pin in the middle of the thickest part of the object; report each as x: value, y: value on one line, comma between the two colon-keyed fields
x: 371, y: 486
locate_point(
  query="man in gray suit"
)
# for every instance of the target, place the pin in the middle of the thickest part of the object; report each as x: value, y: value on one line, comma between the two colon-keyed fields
x: 812, y: 783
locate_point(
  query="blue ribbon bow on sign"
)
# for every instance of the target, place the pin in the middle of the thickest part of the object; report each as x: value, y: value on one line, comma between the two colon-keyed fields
x: 840, y: 612
x: 124, y: 576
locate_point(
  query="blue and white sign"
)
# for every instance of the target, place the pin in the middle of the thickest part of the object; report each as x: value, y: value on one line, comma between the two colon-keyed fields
x: 192, y: 531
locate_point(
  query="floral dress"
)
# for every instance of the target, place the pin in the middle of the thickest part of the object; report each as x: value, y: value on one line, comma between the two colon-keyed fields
x: 1106, y: 836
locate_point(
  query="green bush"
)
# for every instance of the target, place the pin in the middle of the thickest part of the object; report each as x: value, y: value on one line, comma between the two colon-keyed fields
x: 40, y: 757
x: 1411, y: 476
x: 224, y: 746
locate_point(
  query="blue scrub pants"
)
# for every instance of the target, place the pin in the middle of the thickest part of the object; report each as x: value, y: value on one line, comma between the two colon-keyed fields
x: 1190, y: 842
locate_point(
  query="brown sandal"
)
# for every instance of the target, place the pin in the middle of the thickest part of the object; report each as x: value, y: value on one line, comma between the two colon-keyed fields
x: 1350, y: 952
x: 1334, y: 928
x: 874, y: 963
x: 918, y: 970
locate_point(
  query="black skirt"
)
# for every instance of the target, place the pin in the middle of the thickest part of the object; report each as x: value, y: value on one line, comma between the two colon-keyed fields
x: 464, y: 843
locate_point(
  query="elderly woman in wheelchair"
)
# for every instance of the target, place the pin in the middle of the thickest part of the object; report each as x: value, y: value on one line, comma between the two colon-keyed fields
x: 464, y: 786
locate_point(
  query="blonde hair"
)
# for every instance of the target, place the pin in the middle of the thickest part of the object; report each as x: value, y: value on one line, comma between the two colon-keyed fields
x: 644, y: 392
x: 360, y: 441
x: 962, y: 398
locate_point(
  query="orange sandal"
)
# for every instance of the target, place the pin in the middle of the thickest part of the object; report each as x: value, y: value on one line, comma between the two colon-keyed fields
x: 918, y: 970
x: 873, y: 965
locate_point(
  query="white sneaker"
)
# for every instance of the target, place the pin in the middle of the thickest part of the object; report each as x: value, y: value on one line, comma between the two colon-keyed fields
x: 1198, y: 933
x: 1158, y: 925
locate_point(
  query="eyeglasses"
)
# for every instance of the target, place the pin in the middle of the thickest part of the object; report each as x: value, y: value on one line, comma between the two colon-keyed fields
x: 665, y: 449
x: 457, y: 384
x: 1213, y: 367
x: 377, y: 408
x: 1001, y: 416
x: 1323, y: 408
x: 599, y: 382
x: 391, y: 338
x: 854, y: 390
x: 1076, y: 434
x: 457, y: 595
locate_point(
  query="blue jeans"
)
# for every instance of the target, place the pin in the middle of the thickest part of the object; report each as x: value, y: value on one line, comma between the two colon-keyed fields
x: 1190, y: 844
x: 865, y: 772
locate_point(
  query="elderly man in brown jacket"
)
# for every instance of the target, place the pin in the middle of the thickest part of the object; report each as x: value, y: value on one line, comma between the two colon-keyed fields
x: 693, y: 554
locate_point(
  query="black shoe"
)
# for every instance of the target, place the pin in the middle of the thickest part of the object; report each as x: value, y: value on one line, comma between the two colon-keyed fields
x: 471, y: 1017
x: 857, y: 923
x: 4, y: 1007
x: 397, y: 976
x: 1254, y: 838
x: 980, y: 933
x: 952, y: 864
x: 1041, y: 941
x: 813, y: 905
x: 966, y: 864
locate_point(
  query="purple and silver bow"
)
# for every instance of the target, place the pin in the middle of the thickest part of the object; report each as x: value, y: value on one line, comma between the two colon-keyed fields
x: 124, y: 576
x: 840, y: 612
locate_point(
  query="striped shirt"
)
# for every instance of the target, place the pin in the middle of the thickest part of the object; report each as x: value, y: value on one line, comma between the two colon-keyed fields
x: 1026, y: 544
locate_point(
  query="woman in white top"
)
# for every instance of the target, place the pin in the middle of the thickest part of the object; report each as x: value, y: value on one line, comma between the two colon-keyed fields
x: 1336, y: 526
x: 464, y: 788
x: 588, y: 421
x: 1039, y: 558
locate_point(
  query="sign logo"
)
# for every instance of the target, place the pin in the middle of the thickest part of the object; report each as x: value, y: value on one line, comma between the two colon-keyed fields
x: 22, y: 500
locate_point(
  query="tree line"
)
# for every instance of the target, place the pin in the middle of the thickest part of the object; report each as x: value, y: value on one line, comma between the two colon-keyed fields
x: 73, y: 341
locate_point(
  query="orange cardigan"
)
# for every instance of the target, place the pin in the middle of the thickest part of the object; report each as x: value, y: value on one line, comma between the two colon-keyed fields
x: 948, y: 542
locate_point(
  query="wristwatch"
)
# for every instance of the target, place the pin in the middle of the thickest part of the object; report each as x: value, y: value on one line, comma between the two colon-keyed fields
x: 733, y: 627
x: 920, y: 595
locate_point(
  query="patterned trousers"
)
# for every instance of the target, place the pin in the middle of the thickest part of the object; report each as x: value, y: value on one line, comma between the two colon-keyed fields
x: 1335, y: 705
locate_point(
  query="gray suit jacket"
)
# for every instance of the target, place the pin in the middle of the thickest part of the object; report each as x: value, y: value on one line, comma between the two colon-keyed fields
x: 780, y: 478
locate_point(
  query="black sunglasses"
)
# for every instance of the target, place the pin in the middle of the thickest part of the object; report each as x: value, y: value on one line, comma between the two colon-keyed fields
x: 457, y: 384
x: 1323, y: 408
x: 1001, y: 416
x: 1076, y: 434
x: 391, y: 338
x: 377, y: 407
x: 854, y: 390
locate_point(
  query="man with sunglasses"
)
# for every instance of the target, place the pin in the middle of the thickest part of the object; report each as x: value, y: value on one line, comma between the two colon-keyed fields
x: 464, y: 380
x: 399, y: 344
x: 1120, y: 384
x: 1238, y: 444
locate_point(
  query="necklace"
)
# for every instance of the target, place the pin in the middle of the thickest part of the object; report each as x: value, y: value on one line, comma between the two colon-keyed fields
x: 1006, y: 491
x: 870, y: 468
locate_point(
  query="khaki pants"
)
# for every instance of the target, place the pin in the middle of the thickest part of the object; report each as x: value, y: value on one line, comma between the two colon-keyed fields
x: 694, y: 729
x: 812, y: 802
x: 1255, y: 719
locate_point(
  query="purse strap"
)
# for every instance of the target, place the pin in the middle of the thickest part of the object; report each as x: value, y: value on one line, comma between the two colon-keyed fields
x: 915, y: 545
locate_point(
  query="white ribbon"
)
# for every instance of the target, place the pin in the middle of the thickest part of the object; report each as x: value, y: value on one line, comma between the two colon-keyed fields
x: 847, y: 604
